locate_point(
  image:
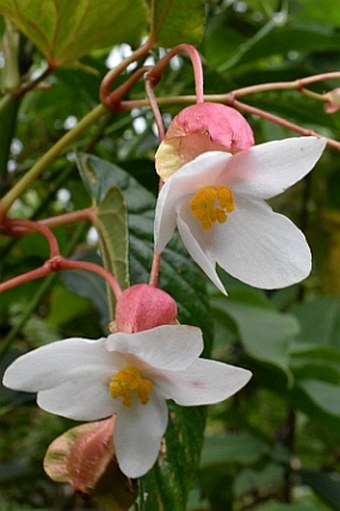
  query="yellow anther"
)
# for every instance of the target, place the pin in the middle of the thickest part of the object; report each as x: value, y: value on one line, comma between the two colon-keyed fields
x: 212, y: 205
x: 127, y: 381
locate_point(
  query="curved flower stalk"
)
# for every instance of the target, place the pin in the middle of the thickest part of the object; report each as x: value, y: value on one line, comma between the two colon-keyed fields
x: 218, y: 203
x: 130, y: 375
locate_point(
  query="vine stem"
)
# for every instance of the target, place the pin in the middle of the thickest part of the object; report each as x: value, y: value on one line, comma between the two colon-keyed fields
x: 59, y: 263
x: 105, y: 87
x: 157, y: 70
x: 150, y: 92
x: 284, y: 123
x: 21, y: 186
x: 20, y: 226
x: 229, y: 99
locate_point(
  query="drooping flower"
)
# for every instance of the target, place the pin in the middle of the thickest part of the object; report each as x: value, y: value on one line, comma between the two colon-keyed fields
x: 130, y: 375
x: 198, y: 129
x: 218, y: 203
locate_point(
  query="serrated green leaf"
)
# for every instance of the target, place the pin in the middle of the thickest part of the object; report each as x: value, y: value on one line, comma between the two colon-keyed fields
x: 65, y: 31
x: 111, y: 216
x: 175, y: 22
x: 111, y: 224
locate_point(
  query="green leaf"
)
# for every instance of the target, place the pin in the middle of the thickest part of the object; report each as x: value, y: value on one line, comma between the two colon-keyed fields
x: 73, y: 306
x: 320, y: 322
x: 168, y: 484
x: 111, y: 215
x: 175, y: 22
x: 111, y: 224
x: 265, y: 334
x: 89, y: 285
x: 275, y: 40
x: 232, y: 447
x: 65, y: 31
x: 324, y: 396
x: 325, y: 484
x: 293, y: 506
x: 316, y: 362
x: 324, y: 12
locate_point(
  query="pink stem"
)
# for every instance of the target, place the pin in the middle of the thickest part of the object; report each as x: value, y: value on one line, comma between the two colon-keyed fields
x: 150, y: 91
x: 155, y: 269
x: 66, y: 264
x: 58, y: 263
x: 158, y: 69
x: 283, y: 122
x: 114, y: 73
x: 112, y: 100
x: 22, y: 226
x: 68, y: 218
x: 26, y: 277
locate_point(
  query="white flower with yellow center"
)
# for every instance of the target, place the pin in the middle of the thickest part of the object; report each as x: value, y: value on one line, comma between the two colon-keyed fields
x: 128, y: 374
x: 218, y: 203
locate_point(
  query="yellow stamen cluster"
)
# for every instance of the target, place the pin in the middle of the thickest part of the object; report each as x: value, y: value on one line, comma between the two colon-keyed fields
x: 212, y: 205
x: 127, y: 381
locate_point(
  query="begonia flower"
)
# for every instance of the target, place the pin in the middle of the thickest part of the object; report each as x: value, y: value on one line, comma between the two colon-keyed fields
x: 218, y: 203
x: 200, y: 128
x: 130, y: 375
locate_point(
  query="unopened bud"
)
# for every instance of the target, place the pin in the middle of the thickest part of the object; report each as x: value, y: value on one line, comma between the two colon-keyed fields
x: 81, y: 455
x: 333, y: 101
x: 200, y: 128
x: 141, y: 307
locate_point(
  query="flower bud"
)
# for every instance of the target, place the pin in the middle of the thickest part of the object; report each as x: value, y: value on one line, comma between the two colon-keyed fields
x: 84, y: 457
x: 200, y: 128
x: 81, y: 455
x: 333, y: 101
x: 142, y: 307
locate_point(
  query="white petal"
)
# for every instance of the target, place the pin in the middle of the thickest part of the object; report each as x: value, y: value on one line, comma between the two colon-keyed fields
x: 167, y: 346
x: 268, y: 169
x: 197, y: 174
x: 53, y: 363
x: 137, y: 435
x: 187, y: 230
x: 165, y: 218
x: 260, y: 247
x: 205, y: 382
x: 71, y: 377
x: 84, y: 399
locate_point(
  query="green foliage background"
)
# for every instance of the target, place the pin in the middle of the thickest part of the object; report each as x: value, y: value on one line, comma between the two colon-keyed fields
x: 275, y: 446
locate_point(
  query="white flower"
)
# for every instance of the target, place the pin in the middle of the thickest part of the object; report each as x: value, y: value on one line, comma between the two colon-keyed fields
x: 130, y: 375
x: 217, y: 202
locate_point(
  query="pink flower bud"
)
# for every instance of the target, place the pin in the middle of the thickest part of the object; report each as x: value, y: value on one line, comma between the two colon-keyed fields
x: 84, y: 457
x: 333, y: 101
x: 200, y: 128
x: 81, y: 455
x: 142, y: 307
